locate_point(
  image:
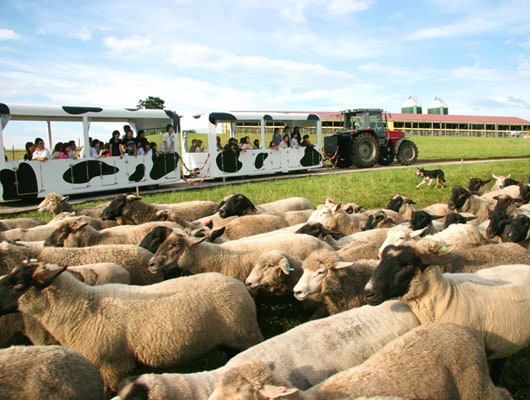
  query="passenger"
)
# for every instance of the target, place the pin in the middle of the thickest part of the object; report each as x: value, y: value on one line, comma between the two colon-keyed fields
x: 272, y: 146
x: 154, y: 149
x: 57, y: 150
x: 276, y: 137
x: 244, y: 143
x: 219, y: 145
x: 140, y: 138
x: 193, y: 146
x: 256, y: 144
x: 95, y: 146
x: 295, y: 140
x: 105, y: 150
x: 286, y: 131
x: 168, y: 140
x: 285, y: 142
x: 129, y: 146
x: 296, y: 130
x: 115, y: 145
x: 71, y: 152
x: 198, y: 146
x: 145, y: 150
x: 306, y: 142
x: 126, y: 128
x: 231, y: 145
x: 41, y: 153
x: 30, y: 148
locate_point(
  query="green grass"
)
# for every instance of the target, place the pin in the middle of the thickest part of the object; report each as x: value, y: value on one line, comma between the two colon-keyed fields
x: 371, y: 188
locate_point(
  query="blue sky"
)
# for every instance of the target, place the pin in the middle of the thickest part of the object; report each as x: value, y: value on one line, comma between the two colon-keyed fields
x: 306, y: 55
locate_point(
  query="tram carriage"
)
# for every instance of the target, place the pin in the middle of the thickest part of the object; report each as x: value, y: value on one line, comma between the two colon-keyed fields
x: 35, y: 179
x: 214, y: 163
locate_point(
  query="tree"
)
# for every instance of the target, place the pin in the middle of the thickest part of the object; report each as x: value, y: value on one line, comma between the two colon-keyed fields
x: 152, y: 103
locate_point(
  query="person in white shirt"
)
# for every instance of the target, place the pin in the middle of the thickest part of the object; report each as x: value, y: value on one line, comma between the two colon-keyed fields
x: 41, y: 153
x: 168, y: 140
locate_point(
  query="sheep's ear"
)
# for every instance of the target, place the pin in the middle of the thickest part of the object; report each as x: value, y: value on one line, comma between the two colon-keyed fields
x: 495, y: 176
x: 342, y: 264
x: 337, y: 207
x: 196, y: 241
x: 418, y: 232
x: 285, y: 267
x: 276, y: 392
x: 43, y: 275
x: 78, y: 225
x: 65, y: 198
x: 216, y: 233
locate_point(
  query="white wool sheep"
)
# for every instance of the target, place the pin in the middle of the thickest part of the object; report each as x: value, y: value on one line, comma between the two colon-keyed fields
x: 47, y: 373
x: 118, y: 326
x: 19, y: 223
x: 435, y: 361
x: 133, y: 258
x: 492, y: 302
x: 55, y: 204
x: 455, y: 236
x: 132, y: 210
x: 77, y: 233
x: 359, y: 245
x: 337, y: 219
x: 305, y: 355
x: 340, y: 285
x: 100, y: 273
x: 234, y: 258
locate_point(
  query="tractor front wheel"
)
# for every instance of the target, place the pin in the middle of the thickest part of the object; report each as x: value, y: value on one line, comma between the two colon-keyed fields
x: 407, y: 153
x: 365, y: 150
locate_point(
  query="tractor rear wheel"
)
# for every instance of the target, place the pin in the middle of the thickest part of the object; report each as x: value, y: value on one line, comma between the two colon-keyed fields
x: 407, y: 153
x: 365, y: 150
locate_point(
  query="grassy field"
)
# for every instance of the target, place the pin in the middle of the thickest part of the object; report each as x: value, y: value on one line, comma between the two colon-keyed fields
x: 373, y: 188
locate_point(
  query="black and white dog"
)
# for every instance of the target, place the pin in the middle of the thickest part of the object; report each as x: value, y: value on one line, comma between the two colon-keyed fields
x: 429, y: 176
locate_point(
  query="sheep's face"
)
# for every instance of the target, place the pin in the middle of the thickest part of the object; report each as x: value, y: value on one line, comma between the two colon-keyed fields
x: 172, y: 253
x: 498, y: 224
x: 519, y: 228
x: 393, y: 275
x: 311, y: 281
x: 374, y: 219
x: 459, y: 197
x: 51, y: 203
x: 236, y: 205
x: 115, y: 208
x: 396, y: 237
x: 269, y: 274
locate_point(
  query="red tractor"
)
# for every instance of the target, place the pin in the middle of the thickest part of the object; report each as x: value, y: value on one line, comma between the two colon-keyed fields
x: 366, y: 141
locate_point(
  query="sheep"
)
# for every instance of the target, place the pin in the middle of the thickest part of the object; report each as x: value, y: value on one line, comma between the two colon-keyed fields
x: 100, y: 273
x: 19, y: 223
x: 55, y: 203
x: 456, y: 236
x: 132, y: 258
x: 519, y: 230
x: 403, y: 205
x: 457, y: 218
x: 383, y: 218
x: 492, y: 302
x: 339, y: 284
x: 131, y: 210
x: 503, y: 181
x: 318, y: 230
x: 478, y: 186
x: 179, y: 322
x: 239, y: 204
x: 77, y: 233
x: 96, y: 223
x: 48, y: 373
x: 360, y: 245
x: 435, y: 361
x: 422, y: 219
x: 497, y: 225
x: 512, y: 191
x: 337, y: 219
x: 305, y: 355
x: 463, y: 201
x: 234, y: 258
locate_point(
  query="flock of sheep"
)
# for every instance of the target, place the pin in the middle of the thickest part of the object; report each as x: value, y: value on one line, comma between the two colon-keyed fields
x: 405, y: 303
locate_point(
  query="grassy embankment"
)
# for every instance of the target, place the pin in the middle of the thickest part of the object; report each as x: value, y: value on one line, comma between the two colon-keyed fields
x: 373, y: 188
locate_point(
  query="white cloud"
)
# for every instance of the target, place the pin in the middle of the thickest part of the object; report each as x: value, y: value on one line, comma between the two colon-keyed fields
x: 342, y: 7
x: 82, y: 33
x: 8, y: 34
x: 133, y: 42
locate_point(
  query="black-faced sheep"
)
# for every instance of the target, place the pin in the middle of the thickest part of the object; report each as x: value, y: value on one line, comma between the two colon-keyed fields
x: 239, y: 204
x: 131, y: 210
x: 47, y: 373
x: 305, y: 355
x: 492, y: 302
x: 178, y: 321
x: 340, y: 285
x: 234, y: 258
x: 478, y: 186
x: 519, y: 230
x: 463, y: 201
x: 436, y: 361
